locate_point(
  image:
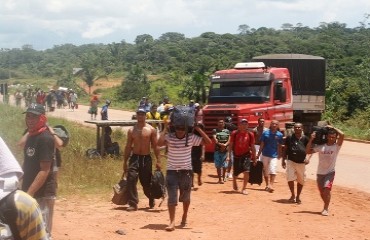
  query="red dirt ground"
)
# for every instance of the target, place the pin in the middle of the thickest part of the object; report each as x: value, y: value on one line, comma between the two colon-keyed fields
x: 217, y: 212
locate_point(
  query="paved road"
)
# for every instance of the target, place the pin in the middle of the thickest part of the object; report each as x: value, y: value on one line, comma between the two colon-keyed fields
x: 352, y: 169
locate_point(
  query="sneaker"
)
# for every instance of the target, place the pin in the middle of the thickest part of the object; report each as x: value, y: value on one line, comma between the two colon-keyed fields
x: 325, y: 213
x: 244, y: 192
x: 131, y: 209
x: 151, y: 203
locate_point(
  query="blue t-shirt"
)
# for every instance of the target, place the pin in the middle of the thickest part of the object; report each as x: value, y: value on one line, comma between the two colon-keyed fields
x: 271, y: 142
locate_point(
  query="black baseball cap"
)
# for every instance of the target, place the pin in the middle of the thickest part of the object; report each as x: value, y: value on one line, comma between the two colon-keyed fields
x: 35, y: 108
x: 140, y: 110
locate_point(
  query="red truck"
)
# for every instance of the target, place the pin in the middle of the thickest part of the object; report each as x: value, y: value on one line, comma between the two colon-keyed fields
x: 285, y: 87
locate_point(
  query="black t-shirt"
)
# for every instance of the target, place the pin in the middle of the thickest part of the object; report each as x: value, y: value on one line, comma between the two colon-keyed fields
x: 296, y: 148
x: 39, y: 148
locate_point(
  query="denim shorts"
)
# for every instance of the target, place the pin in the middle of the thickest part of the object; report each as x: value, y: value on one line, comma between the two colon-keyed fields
x: 178, y: 180
x: 220, y: 159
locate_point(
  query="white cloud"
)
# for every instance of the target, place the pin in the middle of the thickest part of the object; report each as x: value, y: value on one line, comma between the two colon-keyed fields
x: 46, y: 23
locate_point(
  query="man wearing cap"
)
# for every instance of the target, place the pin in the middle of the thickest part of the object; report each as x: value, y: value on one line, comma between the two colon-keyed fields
x: 137, y: 162
x: 18, y: 210
x: 242, y: 147
x: 104, y: 110
x: 39, y: 180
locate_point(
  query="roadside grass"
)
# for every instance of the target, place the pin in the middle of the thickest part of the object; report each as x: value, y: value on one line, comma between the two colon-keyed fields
x: 78, y: 175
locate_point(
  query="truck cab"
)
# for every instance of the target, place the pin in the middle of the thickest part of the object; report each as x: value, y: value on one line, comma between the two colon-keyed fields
x: 252, y: 90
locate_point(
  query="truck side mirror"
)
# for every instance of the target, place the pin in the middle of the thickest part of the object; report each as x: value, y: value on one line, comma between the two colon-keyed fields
x: 280, y: 92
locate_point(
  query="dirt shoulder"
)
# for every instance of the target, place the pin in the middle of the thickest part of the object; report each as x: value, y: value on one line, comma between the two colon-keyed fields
x: 217, y: 212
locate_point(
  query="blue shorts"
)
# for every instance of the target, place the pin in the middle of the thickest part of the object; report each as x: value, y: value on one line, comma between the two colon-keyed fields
x: 178, y: 180
x: 220, y: 159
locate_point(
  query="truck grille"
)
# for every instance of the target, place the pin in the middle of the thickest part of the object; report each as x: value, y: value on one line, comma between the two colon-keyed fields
x: 210, y: 119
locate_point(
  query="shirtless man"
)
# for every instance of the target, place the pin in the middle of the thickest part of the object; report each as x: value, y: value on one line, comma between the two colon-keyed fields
x: 140, y: 138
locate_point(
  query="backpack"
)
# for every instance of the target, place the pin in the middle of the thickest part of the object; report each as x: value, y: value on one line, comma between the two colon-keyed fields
x: 92, y: 153
x: 296, y: 151
x: 62, y: 133
x: 183, y: 116
x: 158, y: 186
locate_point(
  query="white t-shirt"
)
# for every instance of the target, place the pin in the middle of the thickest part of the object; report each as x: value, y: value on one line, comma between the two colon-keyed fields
x: 179, y: 155
x: 327, y: 158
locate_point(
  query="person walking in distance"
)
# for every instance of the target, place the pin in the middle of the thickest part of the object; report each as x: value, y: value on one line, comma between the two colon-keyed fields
x: 229, y: 125
x: 104, y: 110
x: 295, y: 153
x: 179, y: 168
x: 242, y: 147
x: 39, y: 179
x: 197, y: 158
x: 221, y: 137
x: 328, y: 154
x: 257, y: 131
x: 137, y: 162
x: 93, y: 110
x: 271, y: 142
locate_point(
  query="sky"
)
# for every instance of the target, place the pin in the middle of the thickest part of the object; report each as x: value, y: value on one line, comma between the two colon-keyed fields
x: 44, y: 24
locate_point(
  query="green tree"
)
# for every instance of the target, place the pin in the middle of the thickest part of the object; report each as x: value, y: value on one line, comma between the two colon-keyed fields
x: 135, y: 86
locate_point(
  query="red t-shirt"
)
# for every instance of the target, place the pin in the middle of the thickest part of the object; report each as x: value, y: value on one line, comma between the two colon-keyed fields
x: 241, y: 142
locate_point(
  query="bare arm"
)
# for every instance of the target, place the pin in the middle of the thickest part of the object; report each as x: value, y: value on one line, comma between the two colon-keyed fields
x: 262, y: 145
x: 309, y: 144
x: 57, y: 140
x: 206, y: 140
x: 22, y: 141
x: 40, y: 177
x: 340, y: 138
x: 162, y: 136
x: 128, y: 150
x: 154, y: 143
x: 280, y: 148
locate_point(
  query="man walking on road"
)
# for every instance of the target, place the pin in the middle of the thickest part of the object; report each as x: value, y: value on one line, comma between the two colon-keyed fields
x: 328, y: 154
x: 271, y: 141
x: 295, y: 153
x: 242, y: 147
x: 140, y: 139
x: 179, y: 168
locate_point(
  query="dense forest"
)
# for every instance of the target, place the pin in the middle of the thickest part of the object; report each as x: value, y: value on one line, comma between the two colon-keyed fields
x: 177, y: 59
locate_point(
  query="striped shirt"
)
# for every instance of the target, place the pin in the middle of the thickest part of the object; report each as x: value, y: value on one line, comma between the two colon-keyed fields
x: 29, y: 220
x: 179, y: 155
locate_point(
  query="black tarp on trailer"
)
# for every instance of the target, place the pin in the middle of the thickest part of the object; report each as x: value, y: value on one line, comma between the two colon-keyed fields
x: 307, y: 72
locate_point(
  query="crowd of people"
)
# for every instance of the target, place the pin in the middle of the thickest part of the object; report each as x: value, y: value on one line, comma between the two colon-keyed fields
x: 51, y: 100
x: 237, y: 149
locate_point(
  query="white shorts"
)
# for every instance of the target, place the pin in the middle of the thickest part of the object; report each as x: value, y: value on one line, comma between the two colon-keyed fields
x: 295, y: 171
x: 269, y: 165
x: 257, y: 149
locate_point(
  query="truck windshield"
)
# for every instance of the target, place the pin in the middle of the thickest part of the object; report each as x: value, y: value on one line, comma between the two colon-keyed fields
x: 239, y: 92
